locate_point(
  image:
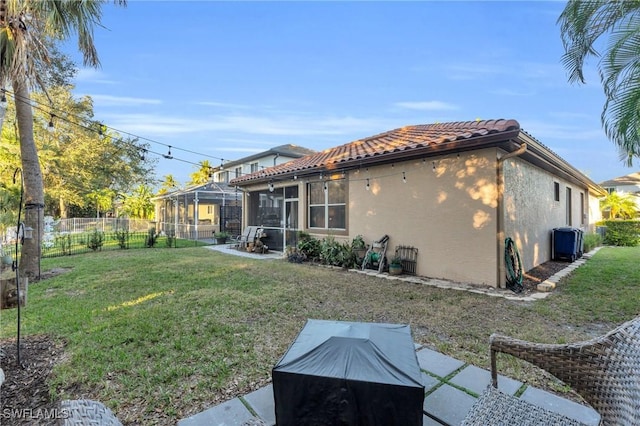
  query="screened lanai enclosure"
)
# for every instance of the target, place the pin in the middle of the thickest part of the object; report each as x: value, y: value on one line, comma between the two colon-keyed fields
x: 276, y: 211
x: 199, y: 212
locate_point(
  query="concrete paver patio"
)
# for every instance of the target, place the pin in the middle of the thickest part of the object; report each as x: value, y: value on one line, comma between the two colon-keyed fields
x: 451, y: 388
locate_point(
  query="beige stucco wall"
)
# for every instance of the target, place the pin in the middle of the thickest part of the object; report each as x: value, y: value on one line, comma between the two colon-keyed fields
x: 449, y: 213
x: 531, y: 211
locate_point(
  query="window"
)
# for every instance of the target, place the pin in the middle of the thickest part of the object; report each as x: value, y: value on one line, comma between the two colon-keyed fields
x: 327, y: 205
x: 254, y: 167
x: 238, y: 172
x: 568, y: 206
x: 223, y: 176
x: 556, y: 191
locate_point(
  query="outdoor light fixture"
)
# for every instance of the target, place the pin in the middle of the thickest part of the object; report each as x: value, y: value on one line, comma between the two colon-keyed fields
x: 271, y: 188
x: 28, y: 232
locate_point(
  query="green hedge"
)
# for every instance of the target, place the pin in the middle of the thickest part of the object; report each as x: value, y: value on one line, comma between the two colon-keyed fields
x: 622, y: 232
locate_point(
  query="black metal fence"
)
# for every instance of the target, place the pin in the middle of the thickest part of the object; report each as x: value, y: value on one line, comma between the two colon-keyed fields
x: 67, y: 244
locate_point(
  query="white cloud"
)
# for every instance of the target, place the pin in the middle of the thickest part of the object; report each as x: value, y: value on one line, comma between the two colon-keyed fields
x: 92, y: 75
x: 109, y: 100
x: 236, y: 124
x: 427, y: 105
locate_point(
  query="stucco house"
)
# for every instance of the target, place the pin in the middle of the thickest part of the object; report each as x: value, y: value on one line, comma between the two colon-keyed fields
x: 454, y: 191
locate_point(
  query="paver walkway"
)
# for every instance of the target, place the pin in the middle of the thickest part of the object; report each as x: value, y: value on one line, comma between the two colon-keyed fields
x: 451, y: 388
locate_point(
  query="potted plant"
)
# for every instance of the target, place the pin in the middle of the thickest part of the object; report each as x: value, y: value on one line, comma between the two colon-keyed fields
x: 221, y: 237
x: 359, y: 247
x: 395, y: 267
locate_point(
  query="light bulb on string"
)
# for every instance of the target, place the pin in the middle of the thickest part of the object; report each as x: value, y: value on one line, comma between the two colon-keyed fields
x: 325, y: 187
x: 50, y: 126
x: 142, y: 154
x: 404, y: 177
x: 168, y: 155
x: 368, y: 187
x: 271, y: 187
x: 433, y: 166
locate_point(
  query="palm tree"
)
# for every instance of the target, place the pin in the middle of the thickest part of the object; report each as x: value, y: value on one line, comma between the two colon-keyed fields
x: 203, y: 174
x: 168, y: 184
x: 619, y: 205
x: 583, y: 24
x: 25, y: 26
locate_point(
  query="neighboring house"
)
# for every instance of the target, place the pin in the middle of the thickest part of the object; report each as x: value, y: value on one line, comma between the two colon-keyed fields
x: 254, y: 163
x: 455, y: 191
x: 628, y: 184
x: 198, y: 211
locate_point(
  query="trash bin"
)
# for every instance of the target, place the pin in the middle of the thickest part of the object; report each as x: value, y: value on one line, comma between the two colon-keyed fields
x: 567, y: 243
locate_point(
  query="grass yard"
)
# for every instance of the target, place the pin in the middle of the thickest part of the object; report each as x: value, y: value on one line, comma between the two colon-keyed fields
x: 159, y: 335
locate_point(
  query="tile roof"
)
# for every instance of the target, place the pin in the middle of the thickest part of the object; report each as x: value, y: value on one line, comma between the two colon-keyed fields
x: 630, y: 179
x: 406, y: 139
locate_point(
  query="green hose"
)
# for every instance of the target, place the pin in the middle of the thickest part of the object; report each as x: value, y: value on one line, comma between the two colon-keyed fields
x: 514, y: 266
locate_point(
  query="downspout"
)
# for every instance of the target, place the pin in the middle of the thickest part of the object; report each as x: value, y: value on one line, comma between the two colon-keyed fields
x: 501, y: 211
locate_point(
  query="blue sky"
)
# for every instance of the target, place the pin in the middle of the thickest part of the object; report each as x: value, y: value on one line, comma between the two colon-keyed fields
x: 229, y: 79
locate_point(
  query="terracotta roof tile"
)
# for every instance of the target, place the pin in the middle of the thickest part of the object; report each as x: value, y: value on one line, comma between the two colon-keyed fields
x: 399, y: 140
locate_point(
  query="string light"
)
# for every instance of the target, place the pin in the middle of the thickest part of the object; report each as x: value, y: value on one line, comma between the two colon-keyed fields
x: 271, y: 187
x: 168, y: 155
x: 404, y: 177
x: 434, y: 166
x: 50, y: 126
x: 325, y: 187
x: 367, y: 187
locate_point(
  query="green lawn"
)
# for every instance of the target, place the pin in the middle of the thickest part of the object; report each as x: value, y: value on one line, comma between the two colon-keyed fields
x: 180, y: 330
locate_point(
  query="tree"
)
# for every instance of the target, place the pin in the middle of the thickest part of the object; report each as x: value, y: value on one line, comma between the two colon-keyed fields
x: 586, y: 24
x: 168, y: 184
x: 138, y: 205
x: 619, y: 205
x: 202, y: 175
x: 24, y: 27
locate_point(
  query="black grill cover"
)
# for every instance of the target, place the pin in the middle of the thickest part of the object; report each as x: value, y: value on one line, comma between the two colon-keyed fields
x: 349, y: 373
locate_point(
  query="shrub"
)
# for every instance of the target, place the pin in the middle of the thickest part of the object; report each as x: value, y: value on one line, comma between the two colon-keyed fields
x: 591, y: 241
x: 308, y: 245
x: 64, y: 241
x: 122, y: 236
x: 95, y: 241
x: 622, y: 232
x: 294, y: 255
x: 151, y: 239
x: 170, y: 240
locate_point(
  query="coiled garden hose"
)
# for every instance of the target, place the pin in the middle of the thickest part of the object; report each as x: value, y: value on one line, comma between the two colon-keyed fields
x: 514, y: 266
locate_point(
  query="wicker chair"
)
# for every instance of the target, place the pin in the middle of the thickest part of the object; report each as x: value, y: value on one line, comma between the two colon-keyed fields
x: 605, y: 371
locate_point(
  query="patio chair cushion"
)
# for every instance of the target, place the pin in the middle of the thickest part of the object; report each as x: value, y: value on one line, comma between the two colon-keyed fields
x: 499, y: 409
